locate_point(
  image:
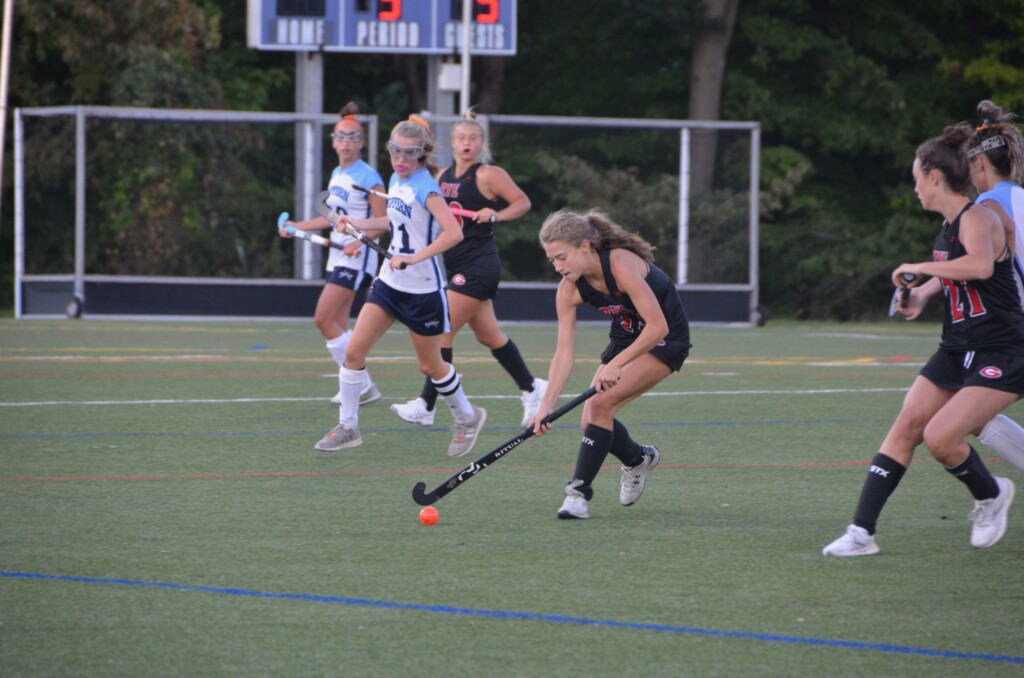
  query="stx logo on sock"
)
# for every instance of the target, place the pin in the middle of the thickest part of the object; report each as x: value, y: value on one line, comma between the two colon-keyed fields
x: 588, y: 441
x: 878, y: 470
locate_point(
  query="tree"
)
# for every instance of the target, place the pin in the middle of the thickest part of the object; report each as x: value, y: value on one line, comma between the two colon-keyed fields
x: 713, y: 33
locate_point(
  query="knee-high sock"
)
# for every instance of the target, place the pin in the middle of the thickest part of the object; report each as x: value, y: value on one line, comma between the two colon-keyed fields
x: 429, y: 393
x: 624, y: 448
x: 352, y: 382
x: 509, y: 357
x: 884, y: 475
x: 594, y: 447
x: 336, y: 346
x: 1006, y: 438
x: 450, y: 388
x: 973, y: 473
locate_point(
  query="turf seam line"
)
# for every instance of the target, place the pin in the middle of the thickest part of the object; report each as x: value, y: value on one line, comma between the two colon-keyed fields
x: 527, y: 616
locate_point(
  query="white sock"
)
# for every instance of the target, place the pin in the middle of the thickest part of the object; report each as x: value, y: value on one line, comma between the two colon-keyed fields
x: 450, y: 388
x: 352, y: 382
x: 337, y: 346
x: 1006, y: 438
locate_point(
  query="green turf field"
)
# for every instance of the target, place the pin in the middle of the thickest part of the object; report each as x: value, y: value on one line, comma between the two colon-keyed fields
x: 164, y: 513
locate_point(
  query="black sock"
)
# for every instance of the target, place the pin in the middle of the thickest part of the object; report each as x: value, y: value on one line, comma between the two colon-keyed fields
x: 508, y: 356
x: 429, y: 393
x: 883, y: 477
x: 624, y: 448
x: 975, y: 475
x: 593, y: 450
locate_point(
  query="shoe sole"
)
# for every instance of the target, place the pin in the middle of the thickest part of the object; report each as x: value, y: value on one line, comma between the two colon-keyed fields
x: 868, y: 552
x: 643, y: 485
x: 565, y: 515
x: 476, y: 437
x: 1011, y: 491
x: 362, y: 400
x: 344, y: 446
x: 417, y: 422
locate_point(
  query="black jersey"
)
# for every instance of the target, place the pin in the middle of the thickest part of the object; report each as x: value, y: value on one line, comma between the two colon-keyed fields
x: 980, y: 314
x: 626, y: 321
x: 462, y: 191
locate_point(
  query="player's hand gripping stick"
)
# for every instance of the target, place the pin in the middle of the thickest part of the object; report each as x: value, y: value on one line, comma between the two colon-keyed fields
x: 320, y: 204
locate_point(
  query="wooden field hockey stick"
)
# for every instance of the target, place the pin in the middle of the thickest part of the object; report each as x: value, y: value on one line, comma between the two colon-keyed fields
x: 427, y: 498
x: 320, y: 204
x: 305, y: 235
x: 457, y: 211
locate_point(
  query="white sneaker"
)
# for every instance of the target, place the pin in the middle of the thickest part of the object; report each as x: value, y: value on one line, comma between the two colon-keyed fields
x: 531, y: 400
x: 575, y: 505
x: 989, y: 516
x: 369, y: 394
x: 634, y: 478
x: 339, y: 438
x: 464, y: 436
x: 415, y: 412
x: 856, y: 542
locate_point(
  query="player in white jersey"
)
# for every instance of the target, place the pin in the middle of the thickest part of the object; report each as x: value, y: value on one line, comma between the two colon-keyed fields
x: 410, y: 289
x: 351, y: 269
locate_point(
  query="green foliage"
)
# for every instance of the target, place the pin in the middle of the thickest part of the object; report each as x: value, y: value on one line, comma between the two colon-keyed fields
x: 844, y: 93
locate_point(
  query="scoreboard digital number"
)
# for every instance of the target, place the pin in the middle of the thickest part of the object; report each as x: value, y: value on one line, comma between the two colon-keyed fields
x: 382, y: 26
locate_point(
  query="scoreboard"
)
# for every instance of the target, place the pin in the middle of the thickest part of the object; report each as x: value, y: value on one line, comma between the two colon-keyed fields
x: 382, y: 26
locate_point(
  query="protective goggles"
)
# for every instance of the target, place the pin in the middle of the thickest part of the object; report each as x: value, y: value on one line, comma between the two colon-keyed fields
x: 351, y: 137
x: 405, y: 152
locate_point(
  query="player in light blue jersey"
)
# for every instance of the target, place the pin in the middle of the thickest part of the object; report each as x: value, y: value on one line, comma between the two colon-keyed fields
x: 996, y: 155
x: 410, y: 289
x: 351, y: 269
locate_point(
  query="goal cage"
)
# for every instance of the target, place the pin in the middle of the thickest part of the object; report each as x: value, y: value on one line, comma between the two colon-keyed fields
x: 172, y: 213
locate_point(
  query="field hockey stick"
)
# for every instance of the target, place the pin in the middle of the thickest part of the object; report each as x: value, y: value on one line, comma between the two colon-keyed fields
x: 427, y: 498
x: 320, y: 204
x: 902, y: 295
x: 305, y: 235
x: 457, y: 211
x: 370, y: 191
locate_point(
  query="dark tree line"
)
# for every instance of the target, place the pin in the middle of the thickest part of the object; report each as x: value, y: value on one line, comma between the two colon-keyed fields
x: 843, y: 91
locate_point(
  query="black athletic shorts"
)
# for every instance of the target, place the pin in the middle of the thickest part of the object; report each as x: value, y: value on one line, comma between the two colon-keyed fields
x: 999, y: 370
x: 475, y: 277
x: 672, y: 353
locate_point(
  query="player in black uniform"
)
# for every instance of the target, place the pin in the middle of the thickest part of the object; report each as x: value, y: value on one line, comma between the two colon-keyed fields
x: 979, y: 368
x: 612, y: 270
x: 474, y: 267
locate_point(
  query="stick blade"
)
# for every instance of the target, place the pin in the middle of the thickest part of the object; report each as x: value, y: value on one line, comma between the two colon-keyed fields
x: 421, y: 497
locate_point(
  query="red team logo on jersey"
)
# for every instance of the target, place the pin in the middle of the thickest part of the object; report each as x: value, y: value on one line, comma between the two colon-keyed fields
x: 458, y: 279
x: 990, y: 372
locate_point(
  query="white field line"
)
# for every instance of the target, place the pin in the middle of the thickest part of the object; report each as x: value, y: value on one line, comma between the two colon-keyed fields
x: 659, y: 394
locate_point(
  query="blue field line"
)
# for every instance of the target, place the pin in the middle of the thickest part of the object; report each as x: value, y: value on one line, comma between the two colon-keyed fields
x: 528, y: 616
x: 407, y: 429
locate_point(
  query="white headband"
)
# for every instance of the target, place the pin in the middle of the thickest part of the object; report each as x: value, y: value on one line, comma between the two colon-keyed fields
x: 987, y: 145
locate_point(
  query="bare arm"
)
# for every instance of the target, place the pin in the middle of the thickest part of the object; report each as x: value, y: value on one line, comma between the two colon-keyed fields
x: 566, y: 300
x: 981, y: 234
x: 450, y: 236
x: 495, y: 182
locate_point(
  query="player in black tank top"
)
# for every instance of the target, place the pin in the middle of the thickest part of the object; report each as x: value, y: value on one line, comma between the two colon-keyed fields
x: 979, y: 368
x: 474, y: 268
x: 603, y: 265
x: 463, y: 191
